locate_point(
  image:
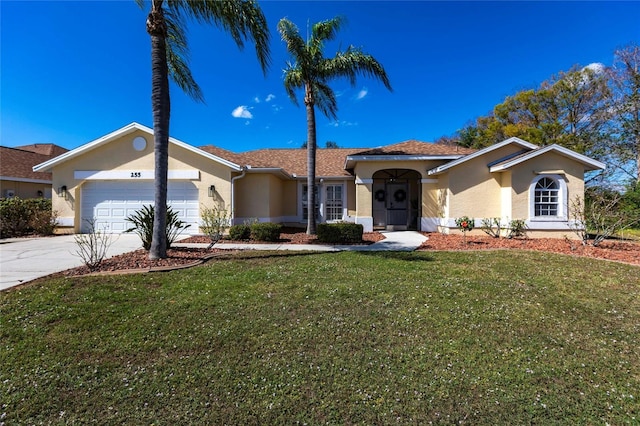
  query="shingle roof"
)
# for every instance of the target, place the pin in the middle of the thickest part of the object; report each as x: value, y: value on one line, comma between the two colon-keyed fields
x: 329, y: 161
x: 18, y: 163
x: 49, y: 149
x: 414, y: 147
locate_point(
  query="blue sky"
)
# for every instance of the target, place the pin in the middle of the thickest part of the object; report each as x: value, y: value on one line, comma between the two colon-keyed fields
x: 74, y: 71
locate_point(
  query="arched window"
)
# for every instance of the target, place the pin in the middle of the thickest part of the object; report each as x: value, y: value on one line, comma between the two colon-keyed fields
x: 546, y: 197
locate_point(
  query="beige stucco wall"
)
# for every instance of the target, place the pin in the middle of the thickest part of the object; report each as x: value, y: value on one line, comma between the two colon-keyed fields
x: 351, y: 198
x: 25, y: 189
x: 119, y: 155
x: 473, y: 190
x: 266, y: 197
x: 525, y: 173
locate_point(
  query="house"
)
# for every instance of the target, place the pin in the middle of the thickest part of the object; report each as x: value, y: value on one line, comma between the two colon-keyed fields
x: 408, y: 185
x: 17, y: 178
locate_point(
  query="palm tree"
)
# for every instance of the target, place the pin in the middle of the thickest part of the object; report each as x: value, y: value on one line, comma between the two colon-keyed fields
x: 166, y: 22
x: 311, y: 71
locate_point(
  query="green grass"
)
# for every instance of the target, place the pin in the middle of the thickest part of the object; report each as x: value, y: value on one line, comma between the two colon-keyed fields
x: 502, y: 337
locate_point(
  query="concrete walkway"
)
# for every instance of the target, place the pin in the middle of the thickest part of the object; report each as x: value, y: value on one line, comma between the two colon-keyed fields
x: 394, y: 241
x: 25, y: 259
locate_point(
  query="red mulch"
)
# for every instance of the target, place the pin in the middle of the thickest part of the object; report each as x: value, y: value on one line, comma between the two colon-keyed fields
x: 620, y: 251
x: 627, y: 252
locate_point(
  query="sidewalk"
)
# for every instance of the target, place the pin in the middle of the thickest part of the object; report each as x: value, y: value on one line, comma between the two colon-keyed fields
x: 394, y: 241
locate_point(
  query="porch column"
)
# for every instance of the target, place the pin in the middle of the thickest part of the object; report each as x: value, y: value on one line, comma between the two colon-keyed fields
x: 430, y: 206
x: 364, y: 214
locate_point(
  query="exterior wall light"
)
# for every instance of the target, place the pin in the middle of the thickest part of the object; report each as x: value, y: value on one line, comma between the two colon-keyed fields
x: 212, y: 191
x: 62, y: 191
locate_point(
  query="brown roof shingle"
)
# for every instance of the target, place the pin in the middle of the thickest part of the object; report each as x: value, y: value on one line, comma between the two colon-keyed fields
x: 329, y: 161
x: 49, y: 149
x: 17, y: 163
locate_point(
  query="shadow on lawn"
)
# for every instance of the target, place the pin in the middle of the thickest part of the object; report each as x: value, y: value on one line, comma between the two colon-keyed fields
x: 408, y: 256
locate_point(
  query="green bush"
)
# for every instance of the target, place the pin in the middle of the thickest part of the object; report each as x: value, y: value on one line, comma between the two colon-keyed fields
x: 143, y: 225
x: 240, y: 232
x: 340, y: 233
x: 265, y: 231
x: 26, y: 216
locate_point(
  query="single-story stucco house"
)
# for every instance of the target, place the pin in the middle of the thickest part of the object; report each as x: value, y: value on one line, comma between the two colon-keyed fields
x: 17, y: 178
x: 408, y: 185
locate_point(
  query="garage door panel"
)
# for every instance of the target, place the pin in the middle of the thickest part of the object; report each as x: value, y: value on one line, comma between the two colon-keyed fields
x: 111, y: 202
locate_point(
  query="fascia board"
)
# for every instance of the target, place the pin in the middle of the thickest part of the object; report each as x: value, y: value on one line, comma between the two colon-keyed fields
x: 351, y: 159
x: 48, y: 165
x: 594, y: 164
x: 512, y: 140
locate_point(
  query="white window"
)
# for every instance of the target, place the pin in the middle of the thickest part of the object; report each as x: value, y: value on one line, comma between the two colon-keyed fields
x: 548, y: 197
x: 305, y: 203
x: 333, y: 202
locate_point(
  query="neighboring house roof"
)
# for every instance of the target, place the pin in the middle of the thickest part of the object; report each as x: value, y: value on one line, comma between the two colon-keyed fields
x: 49, y: 149
x: 130, y: 128
x: 16, y: 164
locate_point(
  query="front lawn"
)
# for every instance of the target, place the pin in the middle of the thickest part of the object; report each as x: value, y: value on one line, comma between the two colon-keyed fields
x: 503, y: 337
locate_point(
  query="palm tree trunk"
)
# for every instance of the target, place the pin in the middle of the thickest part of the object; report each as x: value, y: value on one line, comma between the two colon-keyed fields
x: 311, y: 164
x: 160, y: 104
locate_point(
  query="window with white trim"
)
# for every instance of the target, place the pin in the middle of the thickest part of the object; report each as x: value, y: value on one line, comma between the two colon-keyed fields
x: 333, y: 202
x: 305, y: 203
x: 546, y: 197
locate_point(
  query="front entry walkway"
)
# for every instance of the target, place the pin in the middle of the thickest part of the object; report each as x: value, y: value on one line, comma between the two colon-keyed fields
x: 394, y: 241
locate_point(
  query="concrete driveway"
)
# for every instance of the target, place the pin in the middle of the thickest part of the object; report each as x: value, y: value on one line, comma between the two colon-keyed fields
x: 25, y: 259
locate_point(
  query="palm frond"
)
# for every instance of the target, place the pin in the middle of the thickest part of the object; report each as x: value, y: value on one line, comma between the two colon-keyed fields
x: 325, y: 100
x: 354, y: 62
x: 242, y: 19
x: 292, y: 81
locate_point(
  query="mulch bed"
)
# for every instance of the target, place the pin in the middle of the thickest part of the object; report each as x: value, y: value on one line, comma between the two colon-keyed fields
x: 620, y: 251
x: 627, y: 252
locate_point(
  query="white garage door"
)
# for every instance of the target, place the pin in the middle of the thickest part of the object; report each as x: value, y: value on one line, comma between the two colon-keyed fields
x: 111, y: 202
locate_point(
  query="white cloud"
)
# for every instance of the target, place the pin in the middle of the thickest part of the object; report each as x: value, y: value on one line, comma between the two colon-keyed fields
x: 343, y: 123
x: 270, y: 97
x: 256, y: 100
x: 362, y: 93
x: 242, y: 112
x: 276, y: 108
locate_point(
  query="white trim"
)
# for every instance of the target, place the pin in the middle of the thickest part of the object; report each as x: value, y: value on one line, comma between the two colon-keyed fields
x: 557, y: 225
x: 65, y: 221
x: 361, y: 181
x: 514, y: 140
x: 428, y: 181
x: 587, y: 161
x: 17, y: 179
x: 134, y: 174
x: 366, y: 222
x: 270, y: 170
x: 130, y: 128
x: 562, y: 200
x: 429, y: 224
x: 350, y: 161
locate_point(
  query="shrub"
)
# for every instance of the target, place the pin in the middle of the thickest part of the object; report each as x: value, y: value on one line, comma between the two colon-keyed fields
x: 240, y: 232
x: 143, y: 225
x: 215, y: 221
x: 340, y: 233
x: 26, y: 216
x: 517, y: 228
x: 488, y: 225
x: 265, y: 231
x: 92, y: 246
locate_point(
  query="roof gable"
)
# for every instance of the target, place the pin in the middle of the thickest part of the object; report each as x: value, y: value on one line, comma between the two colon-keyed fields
x: 511, y: 141
x: 589, y: 163
x: 130, y: 128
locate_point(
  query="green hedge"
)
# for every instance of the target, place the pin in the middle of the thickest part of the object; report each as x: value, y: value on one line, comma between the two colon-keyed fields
x: 240, y: 232
x: 340, y: 233
x: 265, y: 231
x: 20, y: 217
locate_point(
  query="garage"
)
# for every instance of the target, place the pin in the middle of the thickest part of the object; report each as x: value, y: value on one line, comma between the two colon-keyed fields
x: 111, y: 202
